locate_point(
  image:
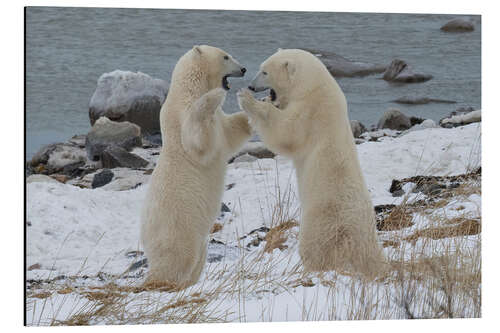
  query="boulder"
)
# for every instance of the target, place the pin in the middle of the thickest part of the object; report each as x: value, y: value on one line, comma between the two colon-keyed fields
x: 427, y: 123
x: 256, y: 149
x: 102, y: 178
x: 339, y: 66
x: 129, y: 96
x: 106, y: 133
x: 400, y: 71
x: 116, y: 157
x: 460, y: 119
x: 418, y: 100
x: 458, y: 25
x: 58, y: 158
x: 394, y: 119
x: 357, y: 128
x: 244, y: 158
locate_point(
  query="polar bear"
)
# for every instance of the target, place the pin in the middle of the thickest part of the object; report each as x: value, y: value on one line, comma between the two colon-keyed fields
x: 305, y: 118
x: 186, y: 186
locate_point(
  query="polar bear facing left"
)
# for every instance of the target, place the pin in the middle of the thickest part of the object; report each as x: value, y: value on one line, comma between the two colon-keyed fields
x: 187, y: 183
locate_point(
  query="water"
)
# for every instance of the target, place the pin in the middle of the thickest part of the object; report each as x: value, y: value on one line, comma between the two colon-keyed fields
x: 67, y: 49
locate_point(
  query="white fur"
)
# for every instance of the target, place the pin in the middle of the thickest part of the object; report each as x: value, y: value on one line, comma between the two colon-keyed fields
x: 311, y: 127
x: 184, y: 194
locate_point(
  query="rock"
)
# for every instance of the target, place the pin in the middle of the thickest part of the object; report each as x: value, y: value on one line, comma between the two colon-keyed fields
x: 244, y: 158
x: 357, y: 128
x: 400, y: 71
x: 415, y: 100
x: 339, y: 66
x: 458, y: 25
x: 129, y: 96
x: 123, y: 179
x: 60, y: 178
x: 78, y: 140
x: 39, y: 178
x: 459, y: 119
x: 256, y: 149
x: 102, y: 178
x: 115, y: 157
x: 224, y: 208
x: 34, y: 266
x: 359, y: 141
x: 416, y: 120
x: 107, y: 133
x: 394, y: 119
x: 398, y: 193
x: 58, y: 157
x: 379, y: 134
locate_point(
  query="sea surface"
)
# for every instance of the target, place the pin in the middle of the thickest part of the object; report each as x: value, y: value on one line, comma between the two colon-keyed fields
x: 67, y: 49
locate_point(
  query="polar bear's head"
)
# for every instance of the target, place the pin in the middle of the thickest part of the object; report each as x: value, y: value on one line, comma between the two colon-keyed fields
x: 288, y: 73
x: 215, y: 65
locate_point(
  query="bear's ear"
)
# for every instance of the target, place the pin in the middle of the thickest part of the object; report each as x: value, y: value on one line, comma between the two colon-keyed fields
x: 197, y: 48
x: 290, y: 67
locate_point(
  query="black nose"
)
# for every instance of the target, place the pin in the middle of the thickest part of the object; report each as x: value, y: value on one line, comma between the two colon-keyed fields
x: 251, y: 88
x: 243, y: 70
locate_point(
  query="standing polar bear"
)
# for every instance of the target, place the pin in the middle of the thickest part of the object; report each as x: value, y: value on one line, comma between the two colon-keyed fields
x: 305, y: 118
x: 186, y: 187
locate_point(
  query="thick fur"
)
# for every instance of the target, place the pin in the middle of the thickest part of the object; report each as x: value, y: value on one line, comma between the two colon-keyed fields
x: 311, y: 127
x: 185, y: 190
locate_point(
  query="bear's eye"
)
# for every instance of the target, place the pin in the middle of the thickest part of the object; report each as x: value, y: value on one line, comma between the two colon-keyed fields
x: 226, y: 57
x: 265, y: 73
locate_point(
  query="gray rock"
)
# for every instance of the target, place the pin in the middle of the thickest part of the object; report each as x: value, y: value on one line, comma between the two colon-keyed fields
x: 256, y: 149
x: 107, y: 133
x: 224, y: 208
x: 394, y: 119
x: 357, y: 128
x: 416, y: 100
x: 128, y: 96
x: 458, y: 25
x: 245, y: 158
x: 116, y: 157
x: 78, y: 140
x: 400, y: 71
x: 339, y: 66
x: 102, y: 178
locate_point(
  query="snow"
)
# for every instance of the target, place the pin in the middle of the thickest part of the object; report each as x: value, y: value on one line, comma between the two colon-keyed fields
x: 77, y: 231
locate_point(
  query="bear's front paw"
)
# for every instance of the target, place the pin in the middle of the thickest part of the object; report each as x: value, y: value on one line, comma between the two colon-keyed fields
x: 216, y: 96
x: 246, y: 100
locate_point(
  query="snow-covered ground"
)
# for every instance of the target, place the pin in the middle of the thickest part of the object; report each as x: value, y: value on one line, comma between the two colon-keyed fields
x: 89, y: 236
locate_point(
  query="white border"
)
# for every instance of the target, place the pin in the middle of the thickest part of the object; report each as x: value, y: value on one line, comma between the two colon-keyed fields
x: 13, y: 156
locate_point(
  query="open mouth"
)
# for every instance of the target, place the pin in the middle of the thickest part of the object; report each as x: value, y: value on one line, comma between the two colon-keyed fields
x: 272, y: 94
x: 225, y: 83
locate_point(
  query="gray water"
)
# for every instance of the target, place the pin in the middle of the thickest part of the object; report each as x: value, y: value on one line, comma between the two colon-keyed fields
x: 67, y: 49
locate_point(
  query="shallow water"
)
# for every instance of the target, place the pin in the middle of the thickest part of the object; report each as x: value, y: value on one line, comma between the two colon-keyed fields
x: 67, y: 49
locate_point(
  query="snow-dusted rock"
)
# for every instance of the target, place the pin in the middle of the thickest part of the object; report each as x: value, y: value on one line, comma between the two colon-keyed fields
x: 461, y: 119
x: 400, y: 71
x: 244, y: 158
x: 254, y: 148
x: 458, y: 25
x: 357, y: 128
x: 58, y: 157
x: 418, y: 100
x: 394, y: 119
x: 107, y: 133
x: 427, y: 123
x: 339, y: 66
x: 129, y: 96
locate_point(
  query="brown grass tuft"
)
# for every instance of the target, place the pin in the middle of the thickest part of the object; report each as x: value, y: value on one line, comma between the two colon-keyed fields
x: 277, y: 236
x: 465, y: 228
x: 215, y: 228
x: 399, y: 218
